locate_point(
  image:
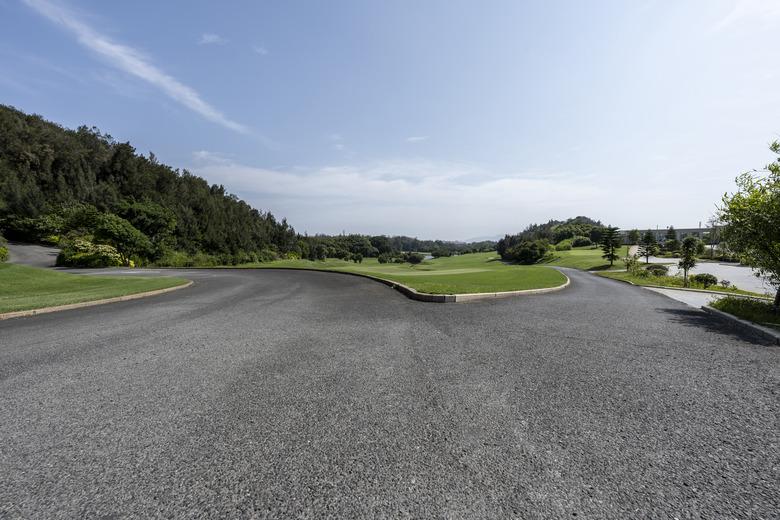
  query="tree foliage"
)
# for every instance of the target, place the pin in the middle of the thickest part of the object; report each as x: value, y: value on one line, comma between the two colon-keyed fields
x: 689, y: 251
x: 648, y: 246
x: 46, y: 171
x: 610, y: 244
x: 752, y: 220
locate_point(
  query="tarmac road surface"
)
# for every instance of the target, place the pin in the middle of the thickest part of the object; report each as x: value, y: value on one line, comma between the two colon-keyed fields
x: 261, y: 393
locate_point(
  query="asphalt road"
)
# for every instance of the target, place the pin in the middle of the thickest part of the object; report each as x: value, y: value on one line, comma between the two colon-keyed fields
x: 304, y: 394
x: 34, y: 255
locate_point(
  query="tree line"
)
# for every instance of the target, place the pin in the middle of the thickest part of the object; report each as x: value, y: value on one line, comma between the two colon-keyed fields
x: 105, y: 204
x: 81, y: 189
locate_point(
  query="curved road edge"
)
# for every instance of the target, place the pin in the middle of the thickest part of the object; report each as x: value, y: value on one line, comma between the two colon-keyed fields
x: 414, y: 294
x: 69, y: 306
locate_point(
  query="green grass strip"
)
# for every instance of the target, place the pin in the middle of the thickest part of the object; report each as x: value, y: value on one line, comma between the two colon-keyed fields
x: 25, y: 288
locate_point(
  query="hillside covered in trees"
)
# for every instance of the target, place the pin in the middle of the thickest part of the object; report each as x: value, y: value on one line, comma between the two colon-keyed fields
x: 537, y: 240
x: 105, y: 204
x: 80, y: 188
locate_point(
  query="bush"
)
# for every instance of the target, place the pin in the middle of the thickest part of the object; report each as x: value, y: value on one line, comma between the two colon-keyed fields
x: 3, y: 254
x: 657, y: 269
x: 704, y: 279
x: 438, y: 253
x: 632, y: 265
x: 564, y: 245
x: 527, y: 252
x: 725, y: 284
x: 581, y: 242
x: 413, y: 258
x: 83, y: 253
x: 384, y: 258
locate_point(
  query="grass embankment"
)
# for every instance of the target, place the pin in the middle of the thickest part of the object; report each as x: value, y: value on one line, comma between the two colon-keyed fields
x: 472, y: 273
x: 25, y: 288
x: 674, y: 282
x: 585, y: 258
x: 751, y: 310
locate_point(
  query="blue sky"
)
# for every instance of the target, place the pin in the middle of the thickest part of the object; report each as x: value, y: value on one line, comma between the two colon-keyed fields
x: 446, y: 119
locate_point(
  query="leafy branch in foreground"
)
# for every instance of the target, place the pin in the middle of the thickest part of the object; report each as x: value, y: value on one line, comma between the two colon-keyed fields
x: 752, y: 221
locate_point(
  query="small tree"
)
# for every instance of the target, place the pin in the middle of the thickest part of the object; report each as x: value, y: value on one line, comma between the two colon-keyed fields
x: 671, y: 244
x: 688, y: 254
x: 752, y: 219
x: 633, y: 237
x: 648, y: 246
x: 610, y: 244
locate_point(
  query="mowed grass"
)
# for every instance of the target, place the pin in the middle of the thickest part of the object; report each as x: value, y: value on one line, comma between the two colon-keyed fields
x: 586, y: 259
x: 472, y: 273
x: 674, y: 282
x: 25, y: 288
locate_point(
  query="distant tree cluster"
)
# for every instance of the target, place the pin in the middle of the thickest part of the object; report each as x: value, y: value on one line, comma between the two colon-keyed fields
x: 59, y: 185
x: 537, y: 241
x: 385, y: 249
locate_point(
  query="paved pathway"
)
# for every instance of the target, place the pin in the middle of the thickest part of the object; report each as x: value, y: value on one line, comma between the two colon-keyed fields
x: 300, y: 394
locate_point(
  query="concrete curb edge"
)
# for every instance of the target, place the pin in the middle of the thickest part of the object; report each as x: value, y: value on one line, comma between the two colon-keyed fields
x: 434, y: 298
x: 740, y: 324
x: 69, y: 306
x: 686, y: 289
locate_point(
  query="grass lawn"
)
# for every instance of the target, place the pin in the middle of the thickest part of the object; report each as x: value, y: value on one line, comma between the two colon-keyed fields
x: 472, y: 273
x: 24, y: 288
x: 673, y: 281
x: 586, y: 259
x: 751, y: 310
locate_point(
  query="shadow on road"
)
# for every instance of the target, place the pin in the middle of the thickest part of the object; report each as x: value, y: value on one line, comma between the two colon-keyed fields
x: 702, y: 320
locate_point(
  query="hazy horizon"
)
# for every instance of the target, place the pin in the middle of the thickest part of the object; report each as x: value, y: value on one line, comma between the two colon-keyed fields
x: 448, y: 120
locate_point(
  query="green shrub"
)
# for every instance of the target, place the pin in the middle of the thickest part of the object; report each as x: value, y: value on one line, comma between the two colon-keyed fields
x: 750, y: 309
x: 413, y: 258
x: 657, y: 269
x: 704, y: 279
x: 581, y: 242
x: 384, y: 258
x: 3, y: 254
x: 83, y: 253
x: 632, y: 264
x: 528, y: 252
x: 564, y: 245
x: 174, y: 259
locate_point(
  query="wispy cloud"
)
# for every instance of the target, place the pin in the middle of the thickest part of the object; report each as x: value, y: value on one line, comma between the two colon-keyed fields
x: 211, y: 39
x: 400, y: 196
x: 134, y: 63
x: 416, y: 138
x: 763, y: 11
x: 259, y: 49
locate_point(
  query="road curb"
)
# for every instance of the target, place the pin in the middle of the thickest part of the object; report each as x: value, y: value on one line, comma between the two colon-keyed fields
x: 57, y: 308
x: 685, y: 289
x: 740, y: 324
x: 433, y: 298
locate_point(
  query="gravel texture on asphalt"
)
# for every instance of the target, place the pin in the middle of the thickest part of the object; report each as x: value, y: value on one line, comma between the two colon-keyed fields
x: 305, y: 394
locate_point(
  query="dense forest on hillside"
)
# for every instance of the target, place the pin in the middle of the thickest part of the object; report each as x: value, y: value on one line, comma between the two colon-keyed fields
x: 537, y: 240
x: 80, y: 187
x: 105, y: 204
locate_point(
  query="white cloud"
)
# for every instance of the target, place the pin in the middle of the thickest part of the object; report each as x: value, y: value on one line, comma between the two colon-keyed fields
x: 212, y: 39
x: 762, y: 11
x: 134, y: 63
x: 259, y: 49
x: 416, y: 138
x: 425, y: 198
